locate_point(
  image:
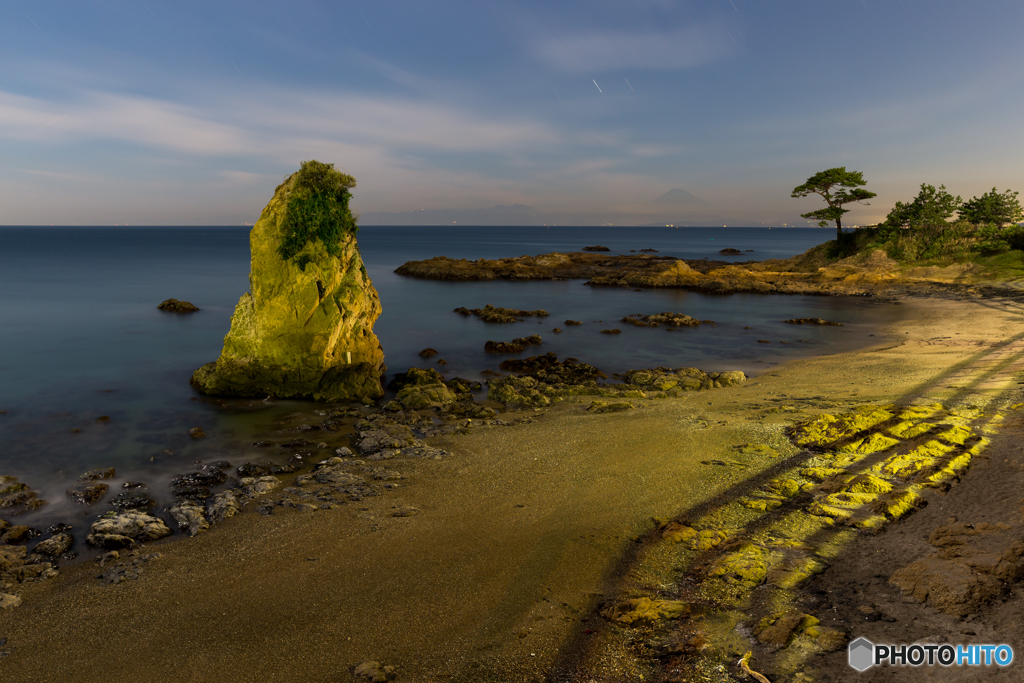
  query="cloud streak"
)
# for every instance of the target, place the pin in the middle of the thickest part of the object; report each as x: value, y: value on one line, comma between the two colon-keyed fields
x: 611, y: 50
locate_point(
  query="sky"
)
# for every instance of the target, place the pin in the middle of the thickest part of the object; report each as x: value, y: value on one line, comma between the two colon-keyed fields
x: 191, y: 113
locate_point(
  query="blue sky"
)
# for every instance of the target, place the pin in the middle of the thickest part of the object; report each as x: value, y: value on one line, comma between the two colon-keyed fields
x: 187, y: 112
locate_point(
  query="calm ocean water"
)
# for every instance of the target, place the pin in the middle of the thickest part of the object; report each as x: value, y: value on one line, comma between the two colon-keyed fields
x: 80, y: 335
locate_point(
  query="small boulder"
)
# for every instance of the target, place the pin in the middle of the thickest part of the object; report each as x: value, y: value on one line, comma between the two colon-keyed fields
x: 373, y: 672
x: 9, y: 601
x: 17, y: 533
x: 175, y: 306
x: 197, y: 433
x: 189, y: 516
x: 428, y: 353
x: 86, y: 494
x: 96, y: 475
x: 123, y: 529
x: 56, y: 545
x: 596, y: 247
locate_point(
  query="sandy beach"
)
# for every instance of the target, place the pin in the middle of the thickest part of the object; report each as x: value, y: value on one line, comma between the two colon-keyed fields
x: 501, y: 555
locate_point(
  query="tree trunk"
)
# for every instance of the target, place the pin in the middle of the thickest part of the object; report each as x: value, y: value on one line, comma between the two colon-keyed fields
x: 839, y: 229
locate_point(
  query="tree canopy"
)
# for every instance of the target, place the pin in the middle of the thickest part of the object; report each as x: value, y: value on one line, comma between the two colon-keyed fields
x: 317, y: 210
x: 837, y: 187
x: 929, y: 208
x: 992, y: 207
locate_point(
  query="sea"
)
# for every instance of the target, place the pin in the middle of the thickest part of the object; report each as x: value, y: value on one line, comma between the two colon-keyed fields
x: 81, y: 338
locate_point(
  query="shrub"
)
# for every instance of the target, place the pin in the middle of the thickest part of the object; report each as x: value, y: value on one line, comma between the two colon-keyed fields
x: 317, y: 210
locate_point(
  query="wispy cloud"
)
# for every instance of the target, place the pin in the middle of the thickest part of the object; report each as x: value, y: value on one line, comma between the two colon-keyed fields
x: 607, y: 50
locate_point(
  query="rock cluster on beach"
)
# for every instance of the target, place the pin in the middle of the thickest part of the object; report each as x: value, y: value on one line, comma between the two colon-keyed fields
x: 544, y: 380
x: 305, y: 327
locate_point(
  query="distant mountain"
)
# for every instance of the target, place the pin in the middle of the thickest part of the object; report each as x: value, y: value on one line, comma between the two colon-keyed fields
x: 507, y: 208
x: 678, y: 197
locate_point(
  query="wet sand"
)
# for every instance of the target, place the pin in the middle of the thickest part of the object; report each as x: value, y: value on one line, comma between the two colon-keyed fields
x: 520, y: 534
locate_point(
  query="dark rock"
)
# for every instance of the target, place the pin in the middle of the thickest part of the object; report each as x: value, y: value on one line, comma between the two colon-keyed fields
x: 729, y: 251
x: 18, y: 534
x: 514, y: 346
x: 497, y: 314
x: 596, y: 247
x: 197, y: 433
x: 667, y: 318
x: 133, y: 485
x: 217, y: 465
x: 175, y: 306
x: 96, y: 475
x: 763, y: 341
x: 59, y: 528
x: 557, y: 330
x: 207, y: 478
x: 253, y: 470
x: 103, y: 418
x: 649, y: 251
x: 131, y: 501
x: 428, y: 353
x: 612, y: 331
x: 811, y: 321
x: 573, y: 322
x: 56, y: 545
x: 86, y: 494
x: 196, y: 493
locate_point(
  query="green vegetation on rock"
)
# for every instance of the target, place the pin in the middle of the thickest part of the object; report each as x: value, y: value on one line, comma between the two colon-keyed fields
x: 317, y: 209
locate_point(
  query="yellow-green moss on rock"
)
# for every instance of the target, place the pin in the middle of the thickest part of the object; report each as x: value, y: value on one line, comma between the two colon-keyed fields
x: 305, y: 327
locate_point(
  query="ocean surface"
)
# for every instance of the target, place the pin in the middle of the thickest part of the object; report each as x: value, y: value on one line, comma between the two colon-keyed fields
x: 81, y: 337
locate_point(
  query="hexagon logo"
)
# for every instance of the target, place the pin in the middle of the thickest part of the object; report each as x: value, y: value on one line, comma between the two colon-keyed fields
x: 862, y: 654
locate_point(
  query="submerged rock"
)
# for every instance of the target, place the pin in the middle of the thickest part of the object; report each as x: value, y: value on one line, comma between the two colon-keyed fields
x: 305, y: 328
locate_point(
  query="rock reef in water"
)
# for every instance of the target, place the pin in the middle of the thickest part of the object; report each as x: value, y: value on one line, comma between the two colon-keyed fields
x: 812, y: 272
x: 305, y: 327
x: 175, y: 306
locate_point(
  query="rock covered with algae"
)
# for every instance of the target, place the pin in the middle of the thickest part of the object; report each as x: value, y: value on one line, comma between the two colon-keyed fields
x: 305, y: 327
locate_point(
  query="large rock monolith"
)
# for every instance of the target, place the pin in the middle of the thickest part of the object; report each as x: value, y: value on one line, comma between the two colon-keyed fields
x: 305, y: 327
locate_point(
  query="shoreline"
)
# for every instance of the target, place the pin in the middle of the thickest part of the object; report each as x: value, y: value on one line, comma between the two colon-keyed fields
x: 471, y: 577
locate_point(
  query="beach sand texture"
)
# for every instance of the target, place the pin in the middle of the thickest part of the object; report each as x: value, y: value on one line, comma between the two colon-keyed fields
x: 514, y: 543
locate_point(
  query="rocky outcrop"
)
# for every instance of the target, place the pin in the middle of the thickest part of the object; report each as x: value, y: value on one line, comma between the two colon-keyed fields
x: 812, y: 272
x: 305, y: 327
x: 175, y: 306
